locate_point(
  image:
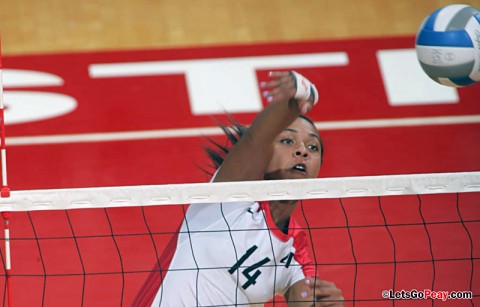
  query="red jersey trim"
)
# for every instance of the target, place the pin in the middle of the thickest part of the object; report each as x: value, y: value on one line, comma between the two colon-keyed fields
x: 299, y: 236
x: 150, y: 287
x: 265, y: 206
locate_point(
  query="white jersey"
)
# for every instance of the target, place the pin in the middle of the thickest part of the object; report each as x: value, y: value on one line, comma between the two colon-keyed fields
x: 230, y: 254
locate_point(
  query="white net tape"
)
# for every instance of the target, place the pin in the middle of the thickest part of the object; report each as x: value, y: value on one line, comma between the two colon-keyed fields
x: 169, y: 194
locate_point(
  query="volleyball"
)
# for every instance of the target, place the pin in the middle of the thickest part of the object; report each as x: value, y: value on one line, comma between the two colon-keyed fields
x: 448, y: 45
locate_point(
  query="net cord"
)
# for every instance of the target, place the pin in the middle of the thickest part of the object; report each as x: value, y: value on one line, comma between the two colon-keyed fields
x: 170, y: 194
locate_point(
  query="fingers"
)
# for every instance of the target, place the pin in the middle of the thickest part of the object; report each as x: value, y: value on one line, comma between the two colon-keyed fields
x: 325, y: 292
x: 283, y: 86
x: 315, y: 282
x: 279, y: 79
x: 321, y: 288
x: 280, y: 87
x: 304, y: 106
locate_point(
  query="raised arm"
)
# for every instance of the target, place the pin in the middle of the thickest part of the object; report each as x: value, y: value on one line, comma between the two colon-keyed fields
x: 249, y: 157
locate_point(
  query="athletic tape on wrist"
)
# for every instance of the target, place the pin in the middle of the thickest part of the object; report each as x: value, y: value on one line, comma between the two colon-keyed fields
x: 305, y: 88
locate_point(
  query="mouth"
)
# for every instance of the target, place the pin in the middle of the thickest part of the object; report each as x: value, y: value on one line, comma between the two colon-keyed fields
x: 302, y: 168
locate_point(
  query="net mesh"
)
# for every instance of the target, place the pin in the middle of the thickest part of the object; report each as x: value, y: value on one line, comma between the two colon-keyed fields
x: 365, y: 244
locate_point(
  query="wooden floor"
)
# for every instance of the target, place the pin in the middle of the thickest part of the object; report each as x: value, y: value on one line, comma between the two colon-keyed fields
x: 34, y: 26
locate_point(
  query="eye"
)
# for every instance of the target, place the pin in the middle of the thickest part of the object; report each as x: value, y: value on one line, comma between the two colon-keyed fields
x: 313, y: 147
x: 286, y: 141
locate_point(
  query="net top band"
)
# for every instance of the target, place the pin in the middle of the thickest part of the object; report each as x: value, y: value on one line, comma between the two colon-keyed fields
x: 170, y: 194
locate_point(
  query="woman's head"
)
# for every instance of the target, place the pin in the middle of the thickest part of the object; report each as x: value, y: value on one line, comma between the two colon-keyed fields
x: 297, y: 152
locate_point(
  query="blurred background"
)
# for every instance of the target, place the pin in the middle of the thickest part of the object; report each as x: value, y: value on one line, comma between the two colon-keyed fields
x: 30, y: 26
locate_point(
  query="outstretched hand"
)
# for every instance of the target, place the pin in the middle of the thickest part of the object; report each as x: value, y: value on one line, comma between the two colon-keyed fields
x: 314, y: 292
x: 283, y: 86
x: 325, y: 292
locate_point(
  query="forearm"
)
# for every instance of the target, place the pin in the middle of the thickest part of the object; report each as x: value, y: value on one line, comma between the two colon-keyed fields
x: 273, y: 120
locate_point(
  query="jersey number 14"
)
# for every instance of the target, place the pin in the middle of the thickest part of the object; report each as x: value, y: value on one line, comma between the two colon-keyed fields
x: 251, y: 279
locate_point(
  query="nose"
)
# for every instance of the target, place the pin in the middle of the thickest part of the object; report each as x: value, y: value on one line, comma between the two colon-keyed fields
x: 301, y: 151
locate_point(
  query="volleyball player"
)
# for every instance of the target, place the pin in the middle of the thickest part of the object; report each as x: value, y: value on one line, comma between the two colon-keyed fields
x: 245, y: 253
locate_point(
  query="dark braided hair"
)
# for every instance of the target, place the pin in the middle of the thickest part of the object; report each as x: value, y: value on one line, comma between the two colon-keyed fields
x: 217, y: 152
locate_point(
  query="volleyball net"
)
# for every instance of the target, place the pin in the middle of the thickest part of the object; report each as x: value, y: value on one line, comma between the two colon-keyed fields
x: 378, y: 238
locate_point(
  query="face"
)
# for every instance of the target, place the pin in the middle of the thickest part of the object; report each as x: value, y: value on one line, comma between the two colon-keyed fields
x: 296, y: 153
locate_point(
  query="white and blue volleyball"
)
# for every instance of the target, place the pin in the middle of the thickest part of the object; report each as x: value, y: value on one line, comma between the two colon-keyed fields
x: 448, y: 45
